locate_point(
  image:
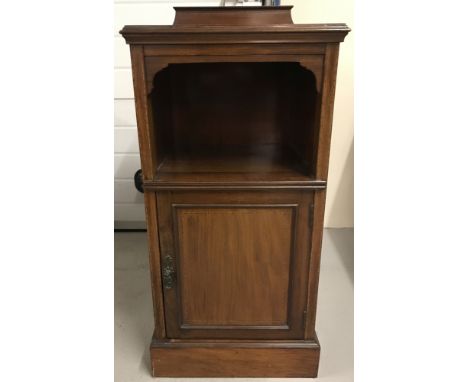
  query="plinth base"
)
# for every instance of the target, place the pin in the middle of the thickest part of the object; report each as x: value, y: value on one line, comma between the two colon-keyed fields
x: 211, y: 358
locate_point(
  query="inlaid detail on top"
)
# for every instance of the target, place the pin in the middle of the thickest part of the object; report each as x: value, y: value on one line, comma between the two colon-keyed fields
x: 239, y: 16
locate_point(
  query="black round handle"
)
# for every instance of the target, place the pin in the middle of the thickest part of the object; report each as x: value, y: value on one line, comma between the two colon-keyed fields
x: 138, y: 178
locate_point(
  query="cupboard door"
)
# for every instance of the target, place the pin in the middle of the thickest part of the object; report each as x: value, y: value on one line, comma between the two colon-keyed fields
x: 234, y: 264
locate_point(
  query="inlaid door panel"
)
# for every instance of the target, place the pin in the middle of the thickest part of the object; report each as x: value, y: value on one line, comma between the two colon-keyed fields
x: 234, y: 264
x: 245, y: 279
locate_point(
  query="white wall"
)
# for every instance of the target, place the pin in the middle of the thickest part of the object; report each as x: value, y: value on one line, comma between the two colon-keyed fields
x: 129, y: 209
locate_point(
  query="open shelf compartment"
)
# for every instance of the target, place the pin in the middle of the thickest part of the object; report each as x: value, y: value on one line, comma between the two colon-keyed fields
x: 247, y: 123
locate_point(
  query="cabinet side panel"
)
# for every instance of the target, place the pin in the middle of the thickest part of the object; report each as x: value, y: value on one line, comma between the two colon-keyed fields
x: 146, y: 139
x: 314, y: 266
x: 327, y: 100
x: 320, y: 162
x: 154, y: 257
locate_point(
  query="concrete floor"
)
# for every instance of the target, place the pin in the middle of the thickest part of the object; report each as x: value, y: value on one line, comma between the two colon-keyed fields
x: 133, y: 310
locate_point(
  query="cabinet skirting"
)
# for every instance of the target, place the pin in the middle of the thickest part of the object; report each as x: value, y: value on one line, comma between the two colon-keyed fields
x: 185, y: 358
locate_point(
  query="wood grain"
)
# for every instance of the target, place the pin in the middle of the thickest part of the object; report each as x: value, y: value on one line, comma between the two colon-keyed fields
x: 264, y: 109
x: 245, y: 277
x: 298, y: 360
x: 293, y: 49
x: 146, y: 142
x: 322, y: 142
x: 265, y: 166
x: 314, y: 265
x: 252, y: 249
x: 234, y: 109
x: 254, y: 16
x: 154, y: 260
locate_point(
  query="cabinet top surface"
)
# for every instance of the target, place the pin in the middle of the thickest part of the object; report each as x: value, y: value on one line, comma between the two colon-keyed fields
x: 234, y: 21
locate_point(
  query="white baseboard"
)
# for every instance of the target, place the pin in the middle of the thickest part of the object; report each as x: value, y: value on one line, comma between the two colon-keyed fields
x: 129, y: 224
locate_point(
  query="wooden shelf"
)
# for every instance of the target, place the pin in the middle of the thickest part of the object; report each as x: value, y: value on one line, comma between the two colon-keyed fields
x: 261, y: 167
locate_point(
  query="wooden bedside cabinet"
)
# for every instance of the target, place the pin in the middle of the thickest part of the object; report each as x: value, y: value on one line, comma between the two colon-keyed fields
x: 234, y: 111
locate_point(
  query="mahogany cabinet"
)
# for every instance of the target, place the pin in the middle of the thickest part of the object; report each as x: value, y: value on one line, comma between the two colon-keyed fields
x: 234, y: 110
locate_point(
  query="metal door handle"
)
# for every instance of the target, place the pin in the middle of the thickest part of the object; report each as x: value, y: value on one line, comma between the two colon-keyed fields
x: 168, y: 272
